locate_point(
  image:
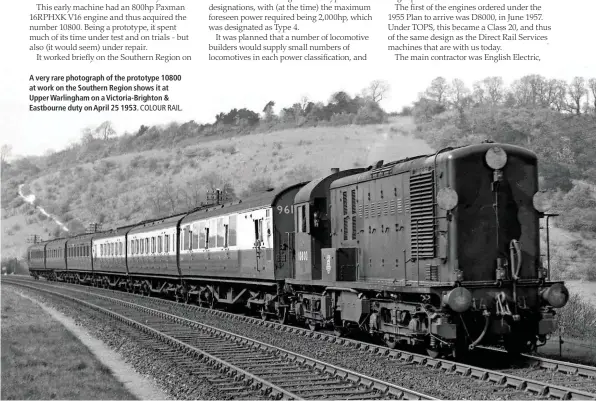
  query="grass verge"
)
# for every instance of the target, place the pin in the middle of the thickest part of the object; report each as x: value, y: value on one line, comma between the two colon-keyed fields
x: 43, y: 360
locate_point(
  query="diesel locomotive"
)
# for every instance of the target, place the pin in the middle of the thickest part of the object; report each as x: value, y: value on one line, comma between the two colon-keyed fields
x: 438, y: 251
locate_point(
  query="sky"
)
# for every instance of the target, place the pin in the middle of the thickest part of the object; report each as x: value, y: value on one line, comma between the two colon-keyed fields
x: 209, y: 87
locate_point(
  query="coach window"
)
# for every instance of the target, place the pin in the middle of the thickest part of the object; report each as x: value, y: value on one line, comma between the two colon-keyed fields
x: 258, y: 231
x: 226, y: 234
x: 221, y: 233
x: 141, y: 246
x: 202, y: 233
x: 152, y: 244
x: 232, y: 231
x: 206, y: 237
x: 186, y: 238
x: 212, y: 233
x: 195, y: 236
x: 147, y: 245
x: 167, y: 244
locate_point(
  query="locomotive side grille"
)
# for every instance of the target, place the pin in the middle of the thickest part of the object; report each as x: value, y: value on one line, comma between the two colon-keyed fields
x: 407, y: 204
x: 392, y: 207
x: 422, y: 220
x: 366, y: 207
x: 385, y: 208
x: 399, y: 205
x: 346, y: 219
x: 345, y: 202
x: 360, y: 210
x: 432, y: 273
x: 379, y: 206
x: 353, y: 227
x: 353, y: 201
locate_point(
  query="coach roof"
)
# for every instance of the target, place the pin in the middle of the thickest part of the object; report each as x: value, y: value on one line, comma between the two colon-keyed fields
x: 159, y: 224
x: 263, y: 199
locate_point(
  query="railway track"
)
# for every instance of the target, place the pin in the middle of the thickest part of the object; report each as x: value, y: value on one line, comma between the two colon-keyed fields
x: 556, y: 385
x: 249, y: 365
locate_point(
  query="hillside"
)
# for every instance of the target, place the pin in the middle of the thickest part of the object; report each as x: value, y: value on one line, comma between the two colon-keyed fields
x: 131, y: 187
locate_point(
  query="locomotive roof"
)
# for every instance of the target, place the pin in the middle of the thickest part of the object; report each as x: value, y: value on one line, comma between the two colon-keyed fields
x: 410, y: 163
x: 483, y: 147
x: 318, y: 187
x: 268, y: 198
x: 165, y: 222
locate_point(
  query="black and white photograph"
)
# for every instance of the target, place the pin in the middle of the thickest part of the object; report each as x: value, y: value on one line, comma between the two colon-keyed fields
x: 298, y: 199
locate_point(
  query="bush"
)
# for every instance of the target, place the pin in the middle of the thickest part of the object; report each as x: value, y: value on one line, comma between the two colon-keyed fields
x: 231, y: 149
x: 370, y: 113
x: 577, y: 318
x: 342, y: 119
x: 257, y: 185
x: 205, y: 153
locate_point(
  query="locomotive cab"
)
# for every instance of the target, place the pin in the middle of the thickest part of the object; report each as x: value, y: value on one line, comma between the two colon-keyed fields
x: 313, y: 226
x: 494, y: 244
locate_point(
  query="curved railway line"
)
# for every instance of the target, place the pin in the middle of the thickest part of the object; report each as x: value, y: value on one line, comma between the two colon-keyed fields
x: 546, y: 378
x: 251, y: 364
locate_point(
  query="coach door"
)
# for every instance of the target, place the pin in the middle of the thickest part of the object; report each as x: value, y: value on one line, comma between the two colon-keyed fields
x: 259, y: 244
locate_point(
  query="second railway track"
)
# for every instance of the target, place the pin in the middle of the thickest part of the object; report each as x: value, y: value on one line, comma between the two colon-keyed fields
x: 545, y: 386
x: 278, y: 373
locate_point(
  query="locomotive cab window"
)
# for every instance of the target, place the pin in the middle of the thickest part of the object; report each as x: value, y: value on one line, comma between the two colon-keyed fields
x: 206, y: 237
x: 301, y: 219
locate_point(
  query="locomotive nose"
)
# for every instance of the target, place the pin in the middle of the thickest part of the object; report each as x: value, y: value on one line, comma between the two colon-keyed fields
x: 458, y: 299
x: 556, y: 295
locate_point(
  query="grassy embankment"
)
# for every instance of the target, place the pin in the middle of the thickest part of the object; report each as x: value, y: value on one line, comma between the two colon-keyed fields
x: 42, y: 360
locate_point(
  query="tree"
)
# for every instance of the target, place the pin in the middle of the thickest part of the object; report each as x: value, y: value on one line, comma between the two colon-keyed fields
x: 592, y: 88
x: 459, y: 96
x: 494, y: 89
x: 377, y: 90
x: 437, y: 90
x: 105, y: 130
x: 5, y: 152
x: 577, y: 90
x: 268, y: 110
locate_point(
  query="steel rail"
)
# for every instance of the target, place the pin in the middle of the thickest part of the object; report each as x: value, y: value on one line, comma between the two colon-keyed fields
x: 553, y: 364
x: 382, y: 387
x: 500, y: 378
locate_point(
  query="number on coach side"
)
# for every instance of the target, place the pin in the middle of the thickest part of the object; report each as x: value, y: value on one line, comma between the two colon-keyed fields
x: 284, y: 209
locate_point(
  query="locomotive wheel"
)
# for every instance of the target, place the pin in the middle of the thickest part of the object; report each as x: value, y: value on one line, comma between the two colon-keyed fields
x: 390, y: 342
x: 433, y: 353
